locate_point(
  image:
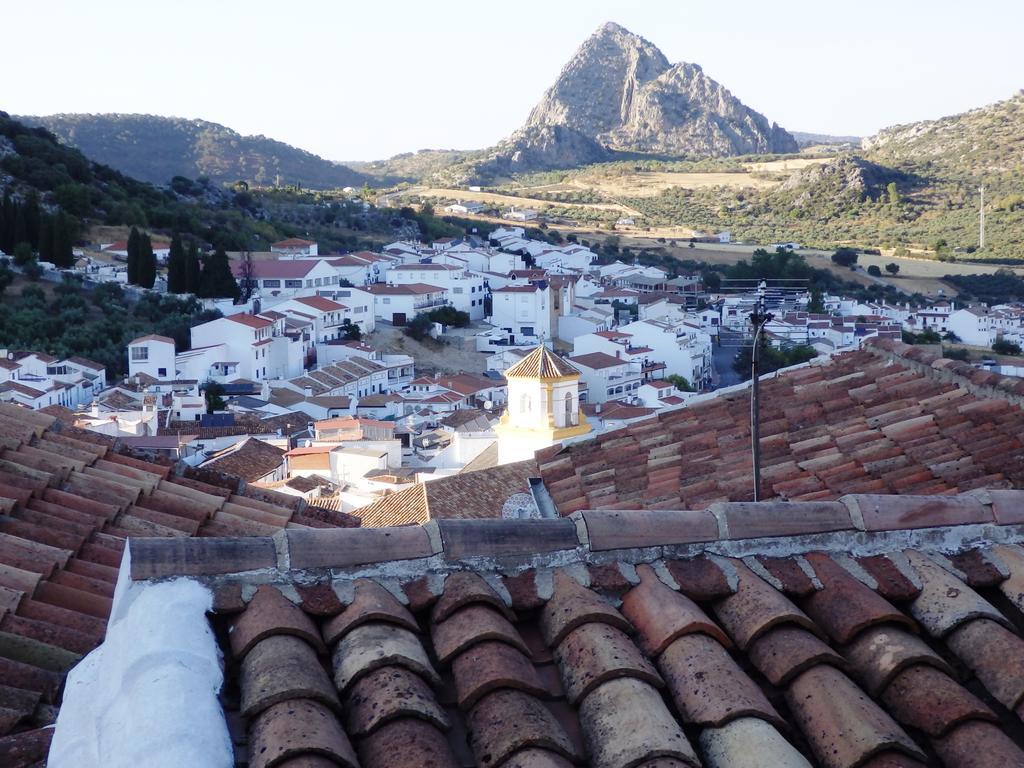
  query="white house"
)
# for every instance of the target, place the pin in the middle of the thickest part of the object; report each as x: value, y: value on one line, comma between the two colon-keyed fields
x: 684, y: 348
x: 400, y: 303
x: 37, y: 380
x: 295, y: 248
x: 161, y: 249
x: 935, y: 317
x: 973, y: 326
x: 608, y: 377
x: 257, y: 345
x: 328, y: 317
x: 153, y: 356
x: 463, y: 207
x: 521, y: 214
x: 285, y: 277
x: 464, y: 289
x: 522, y: 311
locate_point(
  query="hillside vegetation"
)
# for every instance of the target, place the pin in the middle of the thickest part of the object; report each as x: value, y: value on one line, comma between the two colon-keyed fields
x: 156, y: 149
x: 909, y: 189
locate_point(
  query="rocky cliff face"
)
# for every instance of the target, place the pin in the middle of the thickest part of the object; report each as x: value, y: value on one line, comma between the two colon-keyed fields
x: 620, y: 92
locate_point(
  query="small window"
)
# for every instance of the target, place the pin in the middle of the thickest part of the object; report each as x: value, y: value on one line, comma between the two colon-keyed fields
x: 140, y: 353
x: 292, y: 283
x: 271, y: 283
x: 161, y: 372
x: 385, y: 300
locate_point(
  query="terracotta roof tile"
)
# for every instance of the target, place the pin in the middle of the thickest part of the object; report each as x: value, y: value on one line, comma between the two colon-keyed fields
x: 755, y: 608
x: 594, y: 653
x: 945, y: 602
x: 661, y: 615
x: 843, y: 726
x: 708, y: 687
x: 389, y: 693
x: 406, y: 742
x: 894, y: 583
x: 571, y: 605
x: 700, y: 578
x: 506, y: 721
x: 748, y: 742
x: 488, y: 666
x: 372, y: 646
x: 280, y: 668
x: 977, y: 744
x: 370, y: 603
x: 270, y: 613
x: 297, y: 728
x: 845, y: 607
x: 924, y: 698
x: 625, y: 722
x: 468, y: 626
x: 466, y: 588
x: 782, y: 653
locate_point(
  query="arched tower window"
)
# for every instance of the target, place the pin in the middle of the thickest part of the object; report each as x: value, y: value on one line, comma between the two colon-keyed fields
x: 570, y: 412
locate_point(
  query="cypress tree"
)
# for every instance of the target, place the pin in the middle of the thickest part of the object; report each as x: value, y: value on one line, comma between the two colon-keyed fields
x: 133, y: 257
x: 176, y: 266
x: 63, y: 229
x: 33, y: 218
x: 46, y: 239
x: 147, y: 262
x: 192, y: 270
x: 217, y: 280
x: 7, y: 224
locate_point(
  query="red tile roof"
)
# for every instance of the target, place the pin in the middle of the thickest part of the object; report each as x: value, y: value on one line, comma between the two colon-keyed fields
x: 68, y: 501
x: 251, y: 460
x: 321, y: 303
x: 617, y: 640
x: 292, y: 242
x: 250, y: 320
x: 282, y: 269
x: 867, y: 421
x: 597, y: 360
x: 411, y: 289
x: 467, y: 495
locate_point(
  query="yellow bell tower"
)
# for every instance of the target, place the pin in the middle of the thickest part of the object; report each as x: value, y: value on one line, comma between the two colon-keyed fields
x: 543, y: 406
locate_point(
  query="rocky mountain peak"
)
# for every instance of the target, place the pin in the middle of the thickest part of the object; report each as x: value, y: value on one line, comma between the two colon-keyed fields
x: 619, y: 92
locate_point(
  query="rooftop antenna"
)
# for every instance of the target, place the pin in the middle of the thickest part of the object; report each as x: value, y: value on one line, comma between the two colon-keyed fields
x: 761, y: 300
x: 981, y: 214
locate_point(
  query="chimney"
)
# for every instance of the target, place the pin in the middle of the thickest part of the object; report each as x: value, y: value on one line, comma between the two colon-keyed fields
x: 94, y: 409
x: 307, y: 391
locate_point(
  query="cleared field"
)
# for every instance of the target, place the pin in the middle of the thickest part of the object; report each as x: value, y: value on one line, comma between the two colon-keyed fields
x: 651, y: 183
x: 519, y: 202
x: 915, y: 276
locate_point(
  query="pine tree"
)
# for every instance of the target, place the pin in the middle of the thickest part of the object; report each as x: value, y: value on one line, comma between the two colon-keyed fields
x: 192, y: 270
x: 176, y: 266
x: 133, y: 257
x: 217, y: 280
x: 147, y: 262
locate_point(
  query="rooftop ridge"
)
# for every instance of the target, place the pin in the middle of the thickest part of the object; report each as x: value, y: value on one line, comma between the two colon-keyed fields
x: 857, y: 522
x: 927, y: 362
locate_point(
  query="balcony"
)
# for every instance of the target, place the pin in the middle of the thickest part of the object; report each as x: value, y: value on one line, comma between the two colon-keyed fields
x: 430, y: 304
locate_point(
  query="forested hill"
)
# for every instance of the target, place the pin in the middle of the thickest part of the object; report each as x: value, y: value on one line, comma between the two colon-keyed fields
x: 156, y: 149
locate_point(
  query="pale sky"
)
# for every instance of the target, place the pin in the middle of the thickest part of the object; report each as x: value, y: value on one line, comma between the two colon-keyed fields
x: 365, y: 80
